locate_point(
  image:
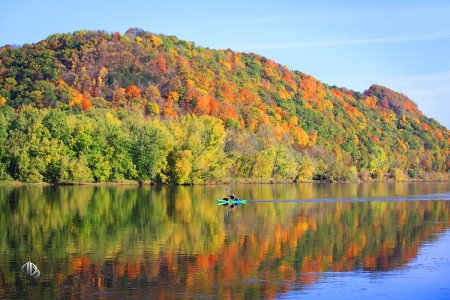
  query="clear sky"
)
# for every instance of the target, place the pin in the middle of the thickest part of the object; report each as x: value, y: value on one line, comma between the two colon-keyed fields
x: 404, y: 44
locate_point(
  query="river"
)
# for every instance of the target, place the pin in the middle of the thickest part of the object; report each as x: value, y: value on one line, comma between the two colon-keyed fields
x: 374, y: 240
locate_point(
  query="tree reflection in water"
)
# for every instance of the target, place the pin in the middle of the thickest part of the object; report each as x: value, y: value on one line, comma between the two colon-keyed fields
x: 175, y: 242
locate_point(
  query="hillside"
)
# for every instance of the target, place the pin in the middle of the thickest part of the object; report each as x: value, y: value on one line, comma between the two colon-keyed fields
x: 95, y: 106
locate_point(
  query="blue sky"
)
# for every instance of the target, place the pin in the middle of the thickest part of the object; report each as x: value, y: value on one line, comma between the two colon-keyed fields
x: 404, y: 45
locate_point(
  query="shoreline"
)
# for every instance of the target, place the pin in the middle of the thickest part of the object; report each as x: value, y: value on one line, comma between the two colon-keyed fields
x: 136, y: 183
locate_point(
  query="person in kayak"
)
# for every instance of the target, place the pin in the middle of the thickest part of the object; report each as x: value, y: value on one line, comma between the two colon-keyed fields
x: 233, y: 197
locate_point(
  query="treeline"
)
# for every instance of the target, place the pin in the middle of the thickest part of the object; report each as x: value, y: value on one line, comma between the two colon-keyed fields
x: 103, y: 145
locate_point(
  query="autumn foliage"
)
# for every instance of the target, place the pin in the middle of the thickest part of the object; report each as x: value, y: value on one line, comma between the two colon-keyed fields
x: 164, y: 77
x: 134, y: 92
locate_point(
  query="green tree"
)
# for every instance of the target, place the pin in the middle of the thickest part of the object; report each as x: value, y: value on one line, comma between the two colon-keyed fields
x: 151, y: 143
x: 204, y: 138
x: 305, y: 168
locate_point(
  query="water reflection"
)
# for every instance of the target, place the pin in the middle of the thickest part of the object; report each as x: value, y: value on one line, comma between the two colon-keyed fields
x: 121, y: 242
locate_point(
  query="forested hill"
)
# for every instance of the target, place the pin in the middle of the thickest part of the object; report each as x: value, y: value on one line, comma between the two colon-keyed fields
x: 95, y: 106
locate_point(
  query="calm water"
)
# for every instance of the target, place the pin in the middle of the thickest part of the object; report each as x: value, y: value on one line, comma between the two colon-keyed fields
x: 308, y: 241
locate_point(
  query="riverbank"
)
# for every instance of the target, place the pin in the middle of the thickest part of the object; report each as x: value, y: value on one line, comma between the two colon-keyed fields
x: 428, y: 178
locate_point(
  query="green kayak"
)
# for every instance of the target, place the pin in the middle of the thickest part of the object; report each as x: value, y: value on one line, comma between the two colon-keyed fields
x: 229, y: 201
